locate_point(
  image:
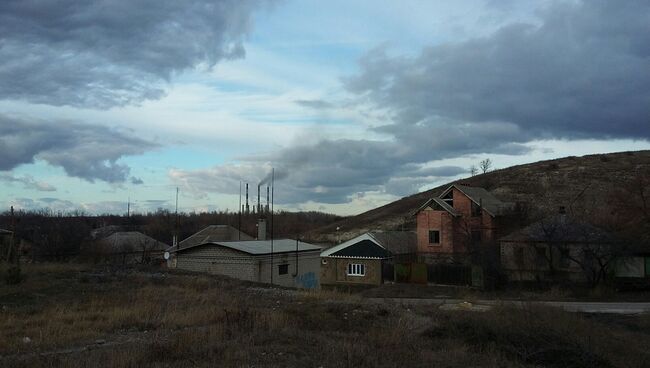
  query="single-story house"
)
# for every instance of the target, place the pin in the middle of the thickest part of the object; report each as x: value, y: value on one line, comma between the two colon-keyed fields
x: 557, y: 248
x: 363, y: 260
x: 209, y: 234
x: 128, y: 247
x: 284, y: 262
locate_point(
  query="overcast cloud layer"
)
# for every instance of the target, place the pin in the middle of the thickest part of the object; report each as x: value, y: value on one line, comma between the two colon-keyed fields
x: 582, y: 72
x: 110, y: 53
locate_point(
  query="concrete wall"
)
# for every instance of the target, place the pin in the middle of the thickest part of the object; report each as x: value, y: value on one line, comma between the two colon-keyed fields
x: 219, y: 261
x: 335, y: 271
x: 306, y: 275
x: 302, y: 273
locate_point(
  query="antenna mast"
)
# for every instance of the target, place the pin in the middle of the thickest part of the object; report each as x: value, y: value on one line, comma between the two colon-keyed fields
x: 175, y: 240
x: 272, y: 192
x: 240, y: 211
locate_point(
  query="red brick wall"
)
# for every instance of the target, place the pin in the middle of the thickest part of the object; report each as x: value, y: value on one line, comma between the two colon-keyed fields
x: 455, y: 232
x: 435, y: 220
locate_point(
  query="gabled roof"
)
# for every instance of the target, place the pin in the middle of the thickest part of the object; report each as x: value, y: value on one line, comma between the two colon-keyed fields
x: 213, y: 233
x: 5, y: 232
x: 260, y: 247
x: 375, y: 245
x: 437, y: 201
x: 559, y: 228
x: 481, y: 197
x: 126, y: 241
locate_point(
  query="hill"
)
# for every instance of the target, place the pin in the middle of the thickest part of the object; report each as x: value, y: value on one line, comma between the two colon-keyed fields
x: 568, y: 181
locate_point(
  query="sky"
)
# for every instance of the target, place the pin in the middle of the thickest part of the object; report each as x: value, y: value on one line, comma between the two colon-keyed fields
x: 354, y: 104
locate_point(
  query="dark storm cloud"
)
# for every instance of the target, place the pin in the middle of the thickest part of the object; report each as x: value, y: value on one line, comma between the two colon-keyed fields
x: 109, y: 53
x: 85, y: 151
x: 583, y: 73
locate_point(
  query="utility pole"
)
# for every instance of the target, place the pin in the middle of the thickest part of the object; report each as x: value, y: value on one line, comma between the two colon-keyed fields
x: 272, y: 193
x: 176, y: 226
x: 240, y: 209
x: 11, y: 238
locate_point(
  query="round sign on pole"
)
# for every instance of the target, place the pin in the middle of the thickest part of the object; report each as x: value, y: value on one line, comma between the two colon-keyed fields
x: 166, y: 255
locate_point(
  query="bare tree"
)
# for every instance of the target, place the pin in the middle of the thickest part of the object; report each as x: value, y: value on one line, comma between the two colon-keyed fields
x: 564, y: 240
x: 473, y: 170
x: 485, y: 165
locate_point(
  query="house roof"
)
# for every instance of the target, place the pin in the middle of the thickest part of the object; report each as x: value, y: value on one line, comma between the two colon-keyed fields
x: 5, y: 232
x: 437, y: 201
x: 560, y: 228
x: 397, y: 242
x: 375, y: 245
x: 127, y: 241
x: 105, y: 231
x: 213, y: 233
x: 259, y: 247
x: 365, y: 248
x: 482, y: 197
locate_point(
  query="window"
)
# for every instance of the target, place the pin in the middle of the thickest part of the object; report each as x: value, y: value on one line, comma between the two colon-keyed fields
x: 283, y: 269
x: 356, y: 269
x: 434, y: 237
x: 449, y: 198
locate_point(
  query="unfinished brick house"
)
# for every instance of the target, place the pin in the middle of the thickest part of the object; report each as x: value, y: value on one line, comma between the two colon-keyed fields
x: 448, y: 226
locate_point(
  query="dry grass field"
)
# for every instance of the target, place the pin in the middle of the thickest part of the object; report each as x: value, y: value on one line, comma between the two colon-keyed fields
x: 83, y: 316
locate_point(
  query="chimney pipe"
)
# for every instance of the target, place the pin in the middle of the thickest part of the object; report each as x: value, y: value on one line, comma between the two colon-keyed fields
x: 268, y: 201
x: 258, y: 199
x: 248, y: 209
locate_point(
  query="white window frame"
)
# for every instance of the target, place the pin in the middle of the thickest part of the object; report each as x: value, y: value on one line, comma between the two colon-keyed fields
x: 356, y: 269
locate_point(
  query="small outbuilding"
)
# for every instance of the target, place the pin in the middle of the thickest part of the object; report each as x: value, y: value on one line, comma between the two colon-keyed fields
x: 128, y: 247
x: 284, y: 262
x: 368, y: 258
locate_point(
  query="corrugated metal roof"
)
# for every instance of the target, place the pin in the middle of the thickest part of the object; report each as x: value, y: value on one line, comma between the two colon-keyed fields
x: 257, y: 247
x: 213, y: 233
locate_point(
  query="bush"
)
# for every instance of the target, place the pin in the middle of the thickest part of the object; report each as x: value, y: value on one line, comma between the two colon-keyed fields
x: 14, y: 276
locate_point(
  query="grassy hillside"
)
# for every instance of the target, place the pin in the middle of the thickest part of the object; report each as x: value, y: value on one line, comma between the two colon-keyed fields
x: 568, y: 181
